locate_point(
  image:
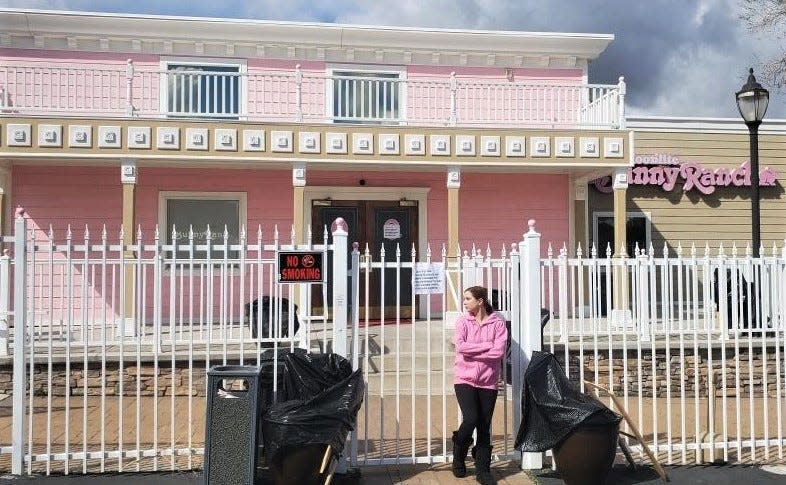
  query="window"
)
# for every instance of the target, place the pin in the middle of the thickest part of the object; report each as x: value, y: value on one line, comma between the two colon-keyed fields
x: 200, y: 211
x: 637, y: 231
x: 202, y: 90
x: 371, y: 97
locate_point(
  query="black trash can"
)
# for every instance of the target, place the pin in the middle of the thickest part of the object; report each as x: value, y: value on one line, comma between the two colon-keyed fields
x: 231, y: 427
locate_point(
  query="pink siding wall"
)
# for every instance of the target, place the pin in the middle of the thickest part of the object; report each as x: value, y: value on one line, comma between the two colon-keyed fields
x: 495, y: 208
x: 69, y: 195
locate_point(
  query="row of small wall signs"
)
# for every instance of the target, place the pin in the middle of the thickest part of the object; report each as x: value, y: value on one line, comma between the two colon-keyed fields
x: 308, y: 267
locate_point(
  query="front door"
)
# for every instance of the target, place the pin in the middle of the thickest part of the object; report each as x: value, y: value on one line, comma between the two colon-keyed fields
x: 378, y: 224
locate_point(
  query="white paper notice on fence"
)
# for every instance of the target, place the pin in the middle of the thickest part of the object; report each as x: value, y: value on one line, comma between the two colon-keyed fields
x: 428, y: 278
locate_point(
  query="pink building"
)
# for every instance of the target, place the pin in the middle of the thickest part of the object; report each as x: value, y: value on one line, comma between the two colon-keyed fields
x: 414, y: 136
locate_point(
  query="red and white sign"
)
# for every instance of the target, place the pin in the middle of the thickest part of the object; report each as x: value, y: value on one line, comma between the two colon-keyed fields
x: 667, y: 170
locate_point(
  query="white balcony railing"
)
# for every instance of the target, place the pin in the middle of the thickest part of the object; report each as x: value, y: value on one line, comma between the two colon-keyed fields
x: 299, y: 96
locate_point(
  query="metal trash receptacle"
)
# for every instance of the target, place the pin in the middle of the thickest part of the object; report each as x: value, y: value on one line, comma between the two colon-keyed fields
x: 231, y: 427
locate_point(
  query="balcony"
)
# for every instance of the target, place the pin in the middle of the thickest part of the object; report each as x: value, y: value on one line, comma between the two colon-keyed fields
x: 304, y: 96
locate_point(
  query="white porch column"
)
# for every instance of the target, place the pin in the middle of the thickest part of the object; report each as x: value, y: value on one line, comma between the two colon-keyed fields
x: 5, y: 197
x: 298, y: 201
x: 453, y: 289
x: 128, y: 178
x: 620, y: 314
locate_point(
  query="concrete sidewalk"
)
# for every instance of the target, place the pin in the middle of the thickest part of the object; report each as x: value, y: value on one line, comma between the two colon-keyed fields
x: 506, y: 473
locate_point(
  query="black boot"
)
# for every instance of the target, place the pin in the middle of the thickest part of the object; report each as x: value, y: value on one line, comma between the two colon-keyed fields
x: 460, y: 456
x: 482, y: 455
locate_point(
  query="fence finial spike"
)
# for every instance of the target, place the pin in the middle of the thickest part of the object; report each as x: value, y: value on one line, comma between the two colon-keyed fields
x: 563, y: 251
x: 292, y: 234
x: 504, y: 251
x: 774, y: 249
x: 721, y: 250
x: 275, y: 234
x: 679, y: 249
x: 398, y: 251
x: 87, y: 232
x: 488, y: 250
x: 174, y: 232
x: 208, y: 234
x: 259, y: 233
x: 51, y: 233
x: 608, y: 250
x: 243, y: 231
x: 68, y: 231
x: 191, y: 232
x: 652, y: 249
x: 444, y: 251
x: 550, y: 251
x: 428, y: 252
x: 382, y: 252
x: 693, y: 249
x: 579, y: 252
x: 122, y: 231
x: 414, y: 251
x: 103, y: 232
x: 707, y: 249
x: 156, y: 233
x: 593, y: 250
x: 139, y: 232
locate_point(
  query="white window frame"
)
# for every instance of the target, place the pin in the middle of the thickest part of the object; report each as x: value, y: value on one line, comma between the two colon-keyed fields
x: 367, y: 69
x: 164, y: 196
x: 240, y: 64
x: 646, y: 215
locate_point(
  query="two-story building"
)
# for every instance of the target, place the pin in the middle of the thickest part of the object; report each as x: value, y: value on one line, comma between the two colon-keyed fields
x: 413, y: 136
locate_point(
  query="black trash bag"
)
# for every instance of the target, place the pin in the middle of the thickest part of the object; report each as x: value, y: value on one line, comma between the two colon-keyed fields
x: 266, y: 325
x: 321, y: 399
x: 552, y: 406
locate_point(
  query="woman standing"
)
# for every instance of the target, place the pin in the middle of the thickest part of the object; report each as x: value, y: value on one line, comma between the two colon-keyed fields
x: 480, y: 339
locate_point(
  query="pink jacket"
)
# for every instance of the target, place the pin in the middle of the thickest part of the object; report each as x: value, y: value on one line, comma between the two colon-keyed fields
x: 479, y: 350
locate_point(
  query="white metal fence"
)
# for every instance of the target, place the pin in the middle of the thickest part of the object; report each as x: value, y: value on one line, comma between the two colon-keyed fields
x: 297, y: 96
x: 109, y: 356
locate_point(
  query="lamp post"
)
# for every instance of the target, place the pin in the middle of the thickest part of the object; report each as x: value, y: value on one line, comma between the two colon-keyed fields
x: 752, y: 100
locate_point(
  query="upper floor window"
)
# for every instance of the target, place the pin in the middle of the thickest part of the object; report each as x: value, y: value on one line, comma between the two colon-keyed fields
x: 374, y: 97
x: 202, y: 90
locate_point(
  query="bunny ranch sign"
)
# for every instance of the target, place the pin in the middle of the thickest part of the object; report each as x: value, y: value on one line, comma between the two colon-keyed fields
x: 667, y: 171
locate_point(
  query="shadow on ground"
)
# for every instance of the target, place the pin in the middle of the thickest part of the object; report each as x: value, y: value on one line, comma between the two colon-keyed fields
x: 708, y: 475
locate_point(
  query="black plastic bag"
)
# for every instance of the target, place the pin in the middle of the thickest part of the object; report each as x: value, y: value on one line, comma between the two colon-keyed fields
x: 552, y: 406
x: 319, y: 403
x: 266, y: 324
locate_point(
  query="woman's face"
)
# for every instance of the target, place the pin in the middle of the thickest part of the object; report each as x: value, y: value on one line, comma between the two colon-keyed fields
x: 472, y: 304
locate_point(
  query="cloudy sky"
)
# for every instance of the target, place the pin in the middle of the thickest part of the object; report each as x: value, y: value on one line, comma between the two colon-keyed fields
x: 679, y: 57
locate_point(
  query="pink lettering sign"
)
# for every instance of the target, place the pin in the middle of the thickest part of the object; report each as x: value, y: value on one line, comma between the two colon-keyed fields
x: 666, y: 170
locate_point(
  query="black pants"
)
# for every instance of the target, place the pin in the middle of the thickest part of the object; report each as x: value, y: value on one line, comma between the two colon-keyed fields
x: 477, y: 408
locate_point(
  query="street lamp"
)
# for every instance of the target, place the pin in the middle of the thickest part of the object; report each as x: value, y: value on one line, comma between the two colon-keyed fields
x: 752, y: 102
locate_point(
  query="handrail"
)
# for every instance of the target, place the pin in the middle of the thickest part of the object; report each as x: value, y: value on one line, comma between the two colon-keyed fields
x: 125, y: 90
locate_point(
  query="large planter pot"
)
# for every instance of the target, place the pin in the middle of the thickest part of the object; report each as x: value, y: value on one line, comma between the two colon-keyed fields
x: 586, y: 456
